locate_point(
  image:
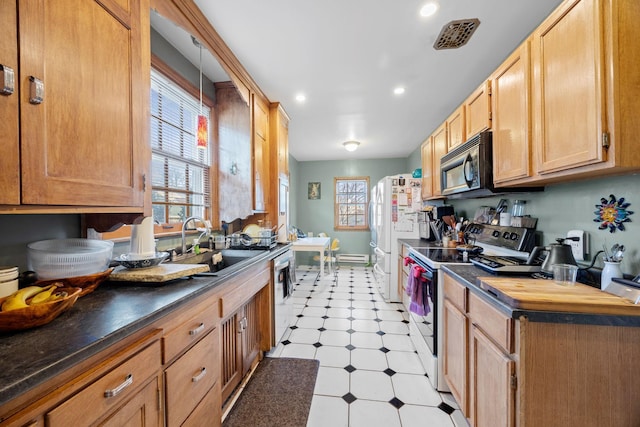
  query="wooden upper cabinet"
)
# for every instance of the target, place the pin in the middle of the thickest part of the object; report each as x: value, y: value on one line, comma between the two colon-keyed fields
x: 569, y: 91
x: 456, y: 134
x: 9, y: 130
x: 279, y: 124
x: 432, y: 150
x: 426, y: 157
x: 478, y: 110
x: 511, y: 124
x: 86, y: 142
x: 260, y: 154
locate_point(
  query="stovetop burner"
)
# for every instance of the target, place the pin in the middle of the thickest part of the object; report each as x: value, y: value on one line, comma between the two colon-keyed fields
x: 442, y: 255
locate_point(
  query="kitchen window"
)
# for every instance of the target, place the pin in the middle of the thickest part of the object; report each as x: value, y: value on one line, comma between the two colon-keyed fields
x: 180, y: 172
x: 351, y: 201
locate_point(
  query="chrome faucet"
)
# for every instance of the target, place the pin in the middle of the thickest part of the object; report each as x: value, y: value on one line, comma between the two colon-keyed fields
x: 184, y: 228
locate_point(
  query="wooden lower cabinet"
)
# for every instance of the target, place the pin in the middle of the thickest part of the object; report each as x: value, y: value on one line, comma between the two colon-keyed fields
x: 240, y: 345
x: 139, y: 411
x: 520, y: 373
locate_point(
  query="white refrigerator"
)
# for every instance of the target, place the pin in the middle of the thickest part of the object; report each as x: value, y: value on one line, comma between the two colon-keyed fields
x: 396, y: 201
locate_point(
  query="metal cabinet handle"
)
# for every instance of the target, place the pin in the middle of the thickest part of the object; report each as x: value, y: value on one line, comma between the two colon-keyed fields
x: 200, y: 376
x: 197, y: 330
x: 36, y: 94
x: 7, y: 80
x: 116, y: 391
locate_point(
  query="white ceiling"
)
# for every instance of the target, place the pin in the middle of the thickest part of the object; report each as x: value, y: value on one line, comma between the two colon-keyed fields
x: 347, y: 56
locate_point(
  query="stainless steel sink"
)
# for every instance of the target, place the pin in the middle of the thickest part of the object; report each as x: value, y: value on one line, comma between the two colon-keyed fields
x: 230, y: 258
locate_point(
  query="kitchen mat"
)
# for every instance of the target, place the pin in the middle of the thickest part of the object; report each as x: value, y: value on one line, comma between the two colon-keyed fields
x: 278, y: 394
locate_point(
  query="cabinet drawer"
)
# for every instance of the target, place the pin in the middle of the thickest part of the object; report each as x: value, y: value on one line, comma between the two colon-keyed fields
x: 238, y: 293
x: 209, y: 410
x: 191, y: 330
x: 190, y: 377
x: 495, y: 324
x: 455, y: 292
x: 121, y: 383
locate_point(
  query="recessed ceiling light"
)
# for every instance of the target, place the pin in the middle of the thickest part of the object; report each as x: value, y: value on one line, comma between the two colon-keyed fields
x: 429, y: 8
x: 399, y: 90
x: 301, y: 97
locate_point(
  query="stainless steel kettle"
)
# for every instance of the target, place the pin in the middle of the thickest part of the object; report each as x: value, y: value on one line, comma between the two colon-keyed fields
x: 557, y: 253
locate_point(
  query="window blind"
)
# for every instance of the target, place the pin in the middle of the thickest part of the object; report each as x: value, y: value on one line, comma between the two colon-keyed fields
x: 180, y: 172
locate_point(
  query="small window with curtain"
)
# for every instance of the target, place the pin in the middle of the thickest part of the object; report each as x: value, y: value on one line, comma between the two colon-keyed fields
x: 180, y: 170
x: 351, y: 201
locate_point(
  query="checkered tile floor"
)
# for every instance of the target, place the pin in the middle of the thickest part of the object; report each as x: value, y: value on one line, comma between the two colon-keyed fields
x: 370, y: 374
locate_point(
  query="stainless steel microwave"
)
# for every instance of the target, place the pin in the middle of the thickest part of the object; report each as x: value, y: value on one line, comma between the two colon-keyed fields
x: 468, y: 168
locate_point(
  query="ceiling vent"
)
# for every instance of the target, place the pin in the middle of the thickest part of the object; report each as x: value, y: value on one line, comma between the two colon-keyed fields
x: 456, y: 34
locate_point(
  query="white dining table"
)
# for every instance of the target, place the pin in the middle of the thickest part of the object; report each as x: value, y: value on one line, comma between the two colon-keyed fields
x: 313, y: 244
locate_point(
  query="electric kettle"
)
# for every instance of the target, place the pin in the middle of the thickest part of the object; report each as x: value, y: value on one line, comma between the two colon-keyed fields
x: 557, y: 253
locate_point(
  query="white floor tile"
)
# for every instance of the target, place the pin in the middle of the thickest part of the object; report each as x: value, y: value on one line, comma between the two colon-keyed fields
x: 337, y: 324
x: 369, y: 359
x: 415, y: 389
x: 416, y: 416
x: 335, y: 338
x: 405, y: 362
x: 458, y: 419
x: 299, y: 351
x: 390, y: 315
x: 365, y: 326
x: 367, y: 305
x: 310, y: 322
x: 363, y: 314
x: 370, y: 385
x: 318, y: 302
x: 341, y: 313
x: 366, y: 340
x: 364, y: 413
x: 398, y: 342
x: 339, y: 303
x: 333, y: 356
x: 314, y: 311
x: 328, y: 411
x: 332, y: 382
x: 391, y: 327
x: 449, y: 400
x: 304, y: 336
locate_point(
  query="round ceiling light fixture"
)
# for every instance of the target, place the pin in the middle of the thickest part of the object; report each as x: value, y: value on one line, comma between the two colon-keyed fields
x: 351, y: 145
x: 429, y: 8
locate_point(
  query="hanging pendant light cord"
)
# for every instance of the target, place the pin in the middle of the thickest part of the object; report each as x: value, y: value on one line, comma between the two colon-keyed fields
x: 200, y: 79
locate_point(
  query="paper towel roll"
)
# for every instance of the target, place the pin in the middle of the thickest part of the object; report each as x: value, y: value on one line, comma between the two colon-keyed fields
x: 505, y: 218
x: 142, y: 240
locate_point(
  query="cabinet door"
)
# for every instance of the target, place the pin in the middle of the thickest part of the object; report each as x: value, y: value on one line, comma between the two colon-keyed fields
x: 491, y: 384
x: 86, y: 143
x: 250, y: 333
x: 142, y: 410
x: 478, y: 110
x: 260, y: 155
x: 456, y: 128
x: 510, y: 98
x: 568, y: 98
x: 456, y: 343
x: 9, y: 131
x: 439, y: 150
x: 231, y: 356
x: 427, y: 168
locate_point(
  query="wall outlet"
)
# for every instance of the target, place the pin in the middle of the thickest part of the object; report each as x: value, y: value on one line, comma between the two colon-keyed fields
x: 579, y: 247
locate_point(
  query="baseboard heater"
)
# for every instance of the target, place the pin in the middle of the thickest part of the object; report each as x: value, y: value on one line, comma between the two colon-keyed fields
x: 354, y: 258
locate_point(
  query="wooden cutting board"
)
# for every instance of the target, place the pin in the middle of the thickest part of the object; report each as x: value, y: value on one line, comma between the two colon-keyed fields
x: 157, y: 274
x: 546, y: 295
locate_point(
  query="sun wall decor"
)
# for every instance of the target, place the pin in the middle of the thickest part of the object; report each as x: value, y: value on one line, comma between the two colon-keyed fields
x: 612, y: 213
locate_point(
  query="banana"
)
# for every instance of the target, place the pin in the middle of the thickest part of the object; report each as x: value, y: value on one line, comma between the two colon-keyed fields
x: 18, y: 299
x: 43, y: 296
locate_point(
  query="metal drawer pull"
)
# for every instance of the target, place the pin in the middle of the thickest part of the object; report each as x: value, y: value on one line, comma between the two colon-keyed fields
x: 200, y: 376
x: 116, y: 391
x: 197, y: 330
x: 36, y: 94
x: 7, y: 80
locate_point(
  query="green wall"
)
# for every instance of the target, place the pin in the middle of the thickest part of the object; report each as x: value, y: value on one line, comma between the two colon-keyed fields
x: 317, y: 215
x: 564, y: 207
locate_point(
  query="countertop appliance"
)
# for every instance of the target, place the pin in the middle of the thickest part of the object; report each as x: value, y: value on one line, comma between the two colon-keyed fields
x: 396, y: 201
x: 427, y: 332
x: 283, y: 280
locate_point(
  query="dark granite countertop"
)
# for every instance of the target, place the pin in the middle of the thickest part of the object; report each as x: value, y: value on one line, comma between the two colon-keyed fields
x: 469, y: 274
x: 98, y: 320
